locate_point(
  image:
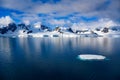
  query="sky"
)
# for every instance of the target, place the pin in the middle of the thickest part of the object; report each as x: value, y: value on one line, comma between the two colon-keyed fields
x: 61, y: 12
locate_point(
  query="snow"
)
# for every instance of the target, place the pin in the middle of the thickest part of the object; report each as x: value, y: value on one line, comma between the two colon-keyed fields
x: 109, y: 34
x: 91, y: 57
x: 37, y: 25
x: 21, y: 33
x: 78, y: 29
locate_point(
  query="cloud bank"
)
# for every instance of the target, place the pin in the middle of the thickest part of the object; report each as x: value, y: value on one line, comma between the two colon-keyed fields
x: 4, y: 21
x: 63, y: 11
x: 96, y: 24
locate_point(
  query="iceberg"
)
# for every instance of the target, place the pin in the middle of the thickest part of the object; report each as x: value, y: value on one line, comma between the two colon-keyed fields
x: 91, y: 57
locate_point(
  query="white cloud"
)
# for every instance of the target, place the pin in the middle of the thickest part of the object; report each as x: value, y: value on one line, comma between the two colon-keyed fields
x: 104, y: 22
x: 88, y: 8
x: 27, y: 22
x: 96, y: 24
x: 64, y: 6
x: 57, y: 22
x: 29, y: 18
x: 4, y: 21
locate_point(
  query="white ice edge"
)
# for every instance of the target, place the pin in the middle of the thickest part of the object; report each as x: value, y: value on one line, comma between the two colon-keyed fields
x: 91, y: 57
x: 56, y: 34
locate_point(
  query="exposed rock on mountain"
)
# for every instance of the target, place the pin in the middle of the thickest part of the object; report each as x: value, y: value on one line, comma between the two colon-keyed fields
x: 12, y: 27
x: 105, y: 30
x: 3, y: 30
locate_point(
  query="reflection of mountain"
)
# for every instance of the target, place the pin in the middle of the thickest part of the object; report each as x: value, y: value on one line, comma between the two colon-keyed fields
x: 30, y: 48
x: 5, y: 49
x: 46, y: 55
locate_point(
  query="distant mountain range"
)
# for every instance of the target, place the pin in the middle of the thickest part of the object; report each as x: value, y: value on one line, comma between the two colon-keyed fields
x: 40, y: 30
x: 26, y: 28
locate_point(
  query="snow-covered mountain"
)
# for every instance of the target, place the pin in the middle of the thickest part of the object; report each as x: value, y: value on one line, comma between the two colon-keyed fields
x: 9, y: 28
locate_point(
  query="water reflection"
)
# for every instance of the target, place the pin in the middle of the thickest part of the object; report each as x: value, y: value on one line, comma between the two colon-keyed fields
x: 5, y: 49
x: 41, y: 46
x: 106, y: 44
x: 50, y: 57
x: 30, y: 47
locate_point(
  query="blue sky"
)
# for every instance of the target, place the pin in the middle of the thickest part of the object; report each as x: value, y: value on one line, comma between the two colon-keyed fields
x: 60, y: 12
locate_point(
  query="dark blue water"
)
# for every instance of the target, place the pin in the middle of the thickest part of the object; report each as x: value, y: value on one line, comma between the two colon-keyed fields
x: 56, y: 59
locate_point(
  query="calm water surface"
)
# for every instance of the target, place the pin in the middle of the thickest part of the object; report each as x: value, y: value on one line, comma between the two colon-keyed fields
x: 56, y: 59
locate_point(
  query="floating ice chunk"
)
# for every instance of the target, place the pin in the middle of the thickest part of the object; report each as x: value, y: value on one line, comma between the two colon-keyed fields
x: 91, y: 57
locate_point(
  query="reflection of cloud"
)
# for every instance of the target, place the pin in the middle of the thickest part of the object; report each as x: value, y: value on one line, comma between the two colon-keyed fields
x: 24, y: 45
x: 5, y: 49
x: 106, y: 45
x: 36, y: 47
x: 101, y: 46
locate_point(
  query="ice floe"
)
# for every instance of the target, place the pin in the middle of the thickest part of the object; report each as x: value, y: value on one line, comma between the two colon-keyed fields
x: 91, y: 57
